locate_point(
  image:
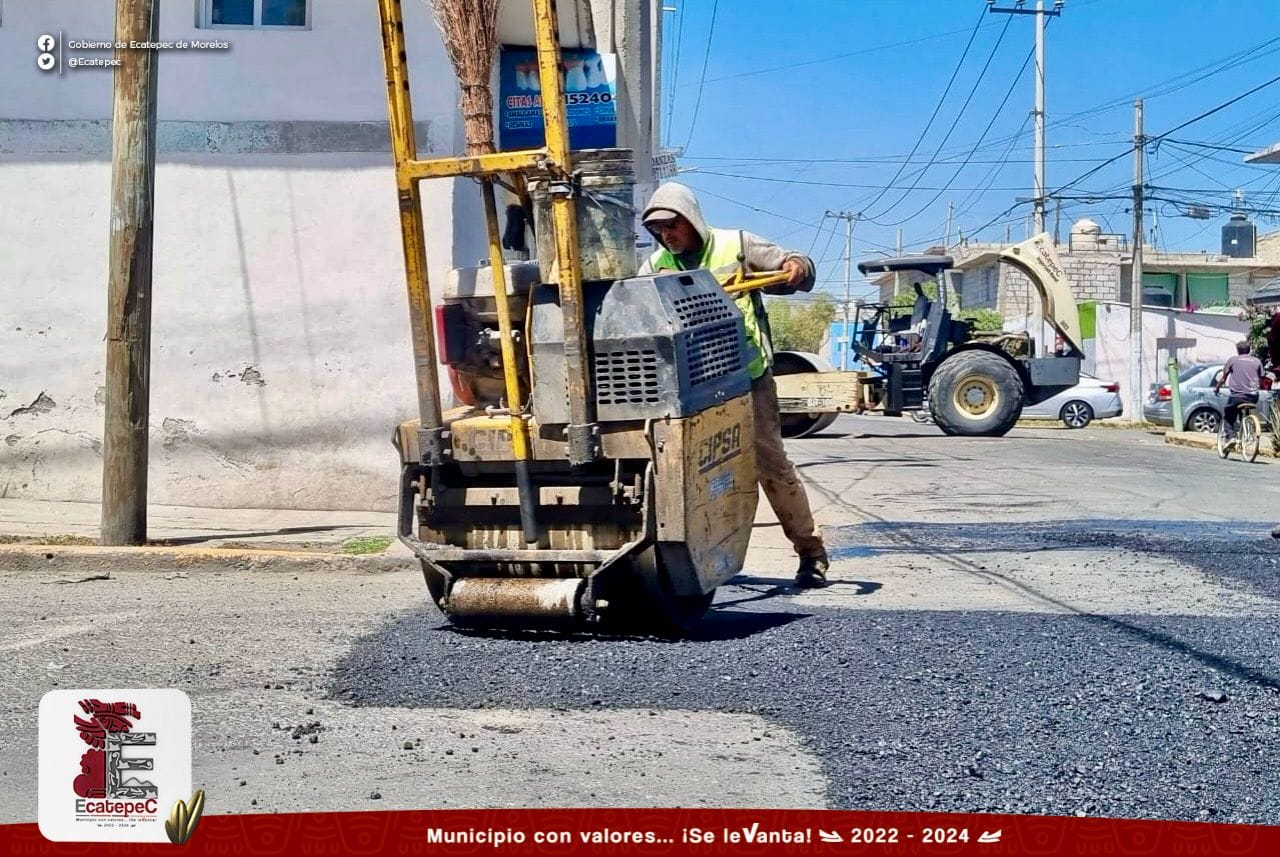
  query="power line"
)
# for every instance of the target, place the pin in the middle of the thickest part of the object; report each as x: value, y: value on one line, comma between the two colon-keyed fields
x: 942, y: 100
x: 702, y: 79
x: 954, y: 124
x: 989, y: 179
x: 1000, y: 109
x: 840, y: 56
x: 775, y: 180
x: 675, y: 70
x: 1167, y: 87
x: 1219, y: 108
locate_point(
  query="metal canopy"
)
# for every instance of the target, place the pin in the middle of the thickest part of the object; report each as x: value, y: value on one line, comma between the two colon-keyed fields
x: 930, y: 265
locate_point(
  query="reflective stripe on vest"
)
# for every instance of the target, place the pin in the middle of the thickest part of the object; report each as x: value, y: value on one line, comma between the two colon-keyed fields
x: 720, y: 256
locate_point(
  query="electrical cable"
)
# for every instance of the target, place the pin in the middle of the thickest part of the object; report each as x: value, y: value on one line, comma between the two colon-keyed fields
x: 955, y: 123
x: 702, y: 79
x: 675, y: 71
x: 942, y: 100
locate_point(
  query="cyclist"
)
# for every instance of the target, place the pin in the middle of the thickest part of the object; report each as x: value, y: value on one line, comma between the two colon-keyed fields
x: 1243, y: 377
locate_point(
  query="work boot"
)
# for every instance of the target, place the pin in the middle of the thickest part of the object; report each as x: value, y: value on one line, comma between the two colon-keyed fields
x: 812, y: 573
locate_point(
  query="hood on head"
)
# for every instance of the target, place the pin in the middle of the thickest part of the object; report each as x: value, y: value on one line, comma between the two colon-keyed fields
x: 673, y: 196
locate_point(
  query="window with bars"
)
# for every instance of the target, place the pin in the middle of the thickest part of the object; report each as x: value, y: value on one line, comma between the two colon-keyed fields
x: 256, y: 14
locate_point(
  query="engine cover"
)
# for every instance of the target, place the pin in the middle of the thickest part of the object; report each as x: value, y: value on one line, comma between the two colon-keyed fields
x: 663, y: 345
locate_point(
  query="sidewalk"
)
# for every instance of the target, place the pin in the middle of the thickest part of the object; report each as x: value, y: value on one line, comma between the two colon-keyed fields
x: 1204, y: 440
x: 63, y: 536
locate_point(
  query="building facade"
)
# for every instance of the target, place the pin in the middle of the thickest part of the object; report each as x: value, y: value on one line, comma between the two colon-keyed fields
x: 281, y: 356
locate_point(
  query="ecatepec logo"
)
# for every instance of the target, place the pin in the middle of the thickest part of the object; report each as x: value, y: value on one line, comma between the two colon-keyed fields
x: 113, y: 763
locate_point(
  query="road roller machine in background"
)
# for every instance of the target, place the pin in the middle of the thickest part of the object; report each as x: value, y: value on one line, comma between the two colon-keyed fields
x: 600, y: 471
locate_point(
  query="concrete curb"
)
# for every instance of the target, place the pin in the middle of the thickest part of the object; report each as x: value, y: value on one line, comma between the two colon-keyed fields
x: 78, y: 560
x: 1201, y: 440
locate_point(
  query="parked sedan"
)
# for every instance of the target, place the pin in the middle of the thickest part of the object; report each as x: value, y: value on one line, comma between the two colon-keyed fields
x: 1091, y: 399
x: 1201, y: 407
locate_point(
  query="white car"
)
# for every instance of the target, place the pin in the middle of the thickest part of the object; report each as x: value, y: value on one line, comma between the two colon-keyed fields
x: 1091, y: 399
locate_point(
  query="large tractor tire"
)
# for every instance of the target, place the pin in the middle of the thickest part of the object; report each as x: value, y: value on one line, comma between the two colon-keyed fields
x: 975, y: 394
x: 791, y: 363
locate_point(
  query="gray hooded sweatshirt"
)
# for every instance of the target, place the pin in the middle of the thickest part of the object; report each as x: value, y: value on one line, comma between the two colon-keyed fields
x: 761, y: 255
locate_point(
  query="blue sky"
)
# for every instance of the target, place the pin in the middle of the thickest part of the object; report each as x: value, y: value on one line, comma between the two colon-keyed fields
x: 815, y: 104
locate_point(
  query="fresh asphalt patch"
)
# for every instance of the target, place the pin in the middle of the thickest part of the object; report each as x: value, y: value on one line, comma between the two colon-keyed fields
x: 1168, y: 717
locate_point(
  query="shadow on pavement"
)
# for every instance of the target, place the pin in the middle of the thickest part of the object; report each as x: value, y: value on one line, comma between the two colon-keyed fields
x: 283, y: 531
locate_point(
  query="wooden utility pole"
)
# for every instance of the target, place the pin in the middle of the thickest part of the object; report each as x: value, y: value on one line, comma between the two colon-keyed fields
x: 133, y: 163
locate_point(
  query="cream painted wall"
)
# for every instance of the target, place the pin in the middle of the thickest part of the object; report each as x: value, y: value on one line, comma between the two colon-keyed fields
x: 280, y: 352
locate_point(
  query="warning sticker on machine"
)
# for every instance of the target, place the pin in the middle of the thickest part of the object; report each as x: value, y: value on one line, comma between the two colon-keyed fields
x: 720, y: 484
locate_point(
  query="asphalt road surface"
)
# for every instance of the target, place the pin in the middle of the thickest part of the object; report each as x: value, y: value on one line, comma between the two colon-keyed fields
x: 1054, y: 622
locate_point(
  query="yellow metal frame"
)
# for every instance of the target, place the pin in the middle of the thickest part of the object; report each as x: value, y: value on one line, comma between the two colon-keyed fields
x: 554, y: 159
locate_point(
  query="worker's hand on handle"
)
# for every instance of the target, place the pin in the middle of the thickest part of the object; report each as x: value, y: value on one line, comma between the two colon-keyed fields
x: 794, y: 269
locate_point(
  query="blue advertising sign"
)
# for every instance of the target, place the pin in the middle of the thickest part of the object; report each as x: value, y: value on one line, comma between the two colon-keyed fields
x: 590, y: 92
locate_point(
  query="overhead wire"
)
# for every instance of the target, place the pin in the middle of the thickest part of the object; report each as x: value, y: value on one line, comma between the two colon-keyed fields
x: 985, y: 131
x: 675, y: 70
x: 955, y: 123
x: 702, y: 78
x: 941, y: 100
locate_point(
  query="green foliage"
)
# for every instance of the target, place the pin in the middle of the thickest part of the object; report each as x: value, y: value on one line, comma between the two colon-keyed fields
x: 983, y: 319
x: 800, y: 325
x: 1258, y: 320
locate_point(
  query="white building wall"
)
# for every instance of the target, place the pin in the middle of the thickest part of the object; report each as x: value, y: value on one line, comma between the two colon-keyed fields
x: 331, y: 72
x: 1215, y: 335
x: 280, y: 349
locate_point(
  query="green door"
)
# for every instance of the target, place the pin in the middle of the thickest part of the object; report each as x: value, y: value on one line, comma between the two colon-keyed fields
x: 1207, y: 289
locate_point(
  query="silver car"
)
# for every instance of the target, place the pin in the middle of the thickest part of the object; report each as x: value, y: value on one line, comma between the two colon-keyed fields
x: 1201, y: 407
x: 1091, y: 399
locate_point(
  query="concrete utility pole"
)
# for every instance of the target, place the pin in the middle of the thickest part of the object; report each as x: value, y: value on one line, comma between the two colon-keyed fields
x: 946, y: 239
x: 897, y: 275
x: 1135, y: 286
x: 848, y: 218
x: 1041, y: 13
x: 133, y: 170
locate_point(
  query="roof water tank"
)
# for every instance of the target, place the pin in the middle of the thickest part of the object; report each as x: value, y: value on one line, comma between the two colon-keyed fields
x: 1085, y: 234
x: 1238, y: 237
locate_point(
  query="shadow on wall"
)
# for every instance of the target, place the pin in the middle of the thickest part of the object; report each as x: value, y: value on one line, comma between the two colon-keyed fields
x: 246, y: 287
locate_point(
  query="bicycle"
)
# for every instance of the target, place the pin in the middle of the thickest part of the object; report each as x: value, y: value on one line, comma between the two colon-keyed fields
x: 1248, y: 434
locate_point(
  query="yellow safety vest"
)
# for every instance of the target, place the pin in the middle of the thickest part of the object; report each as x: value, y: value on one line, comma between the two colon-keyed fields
x: 720, y: 255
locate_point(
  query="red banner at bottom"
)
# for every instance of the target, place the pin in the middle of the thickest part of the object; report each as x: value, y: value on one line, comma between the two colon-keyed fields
x: 677, y: 831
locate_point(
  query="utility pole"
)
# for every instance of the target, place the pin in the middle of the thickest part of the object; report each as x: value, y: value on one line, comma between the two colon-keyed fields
x: 128, y: 372
x: 897, y: 275
x: 1135, y: 285
x: 946, y: 239
x: 848, y: 218
x: 1038, y: 113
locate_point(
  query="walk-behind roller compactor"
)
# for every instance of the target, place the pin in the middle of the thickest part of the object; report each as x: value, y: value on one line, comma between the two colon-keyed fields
x: 602, y: 471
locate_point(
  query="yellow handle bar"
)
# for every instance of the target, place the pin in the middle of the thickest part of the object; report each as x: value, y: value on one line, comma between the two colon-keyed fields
x: 735, y: 284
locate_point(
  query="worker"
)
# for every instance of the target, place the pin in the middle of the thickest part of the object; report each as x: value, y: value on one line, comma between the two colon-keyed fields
x: 675, y: 219
x: 919, y: 317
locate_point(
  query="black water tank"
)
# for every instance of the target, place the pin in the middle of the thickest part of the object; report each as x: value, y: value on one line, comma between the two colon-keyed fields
x: 1238, y: 237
